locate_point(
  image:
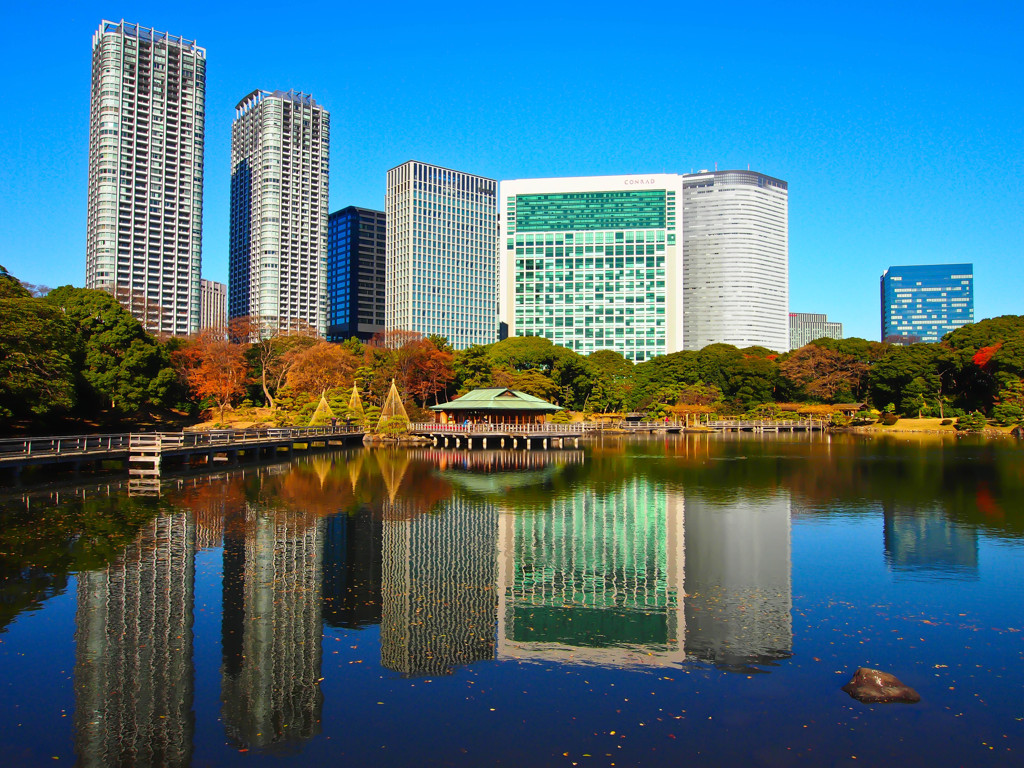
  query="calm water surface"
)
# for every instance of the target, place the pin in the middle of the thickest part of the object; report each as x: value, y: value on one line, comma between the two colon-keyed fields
x: 690, y: 600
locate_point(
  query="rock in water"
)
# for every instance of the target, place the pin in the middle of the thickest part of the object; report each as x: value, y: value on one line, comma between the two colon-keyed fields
x: 872, y: 686
x: 1018, y: 432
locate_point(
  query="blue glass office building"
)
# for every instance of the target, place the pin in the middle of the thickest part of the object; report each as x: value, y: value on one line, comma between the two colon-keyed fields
x: 355, y: 273
x: 924, y: 303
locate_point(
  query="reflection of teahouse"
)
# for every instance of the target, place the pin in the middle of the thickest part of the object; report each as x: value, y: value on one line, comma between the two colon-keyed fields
x: 496, y: 406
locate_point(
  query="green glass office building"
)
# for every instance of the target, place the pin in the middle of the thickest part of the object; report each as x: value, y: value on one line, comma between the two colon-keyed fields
x: 594, y: 262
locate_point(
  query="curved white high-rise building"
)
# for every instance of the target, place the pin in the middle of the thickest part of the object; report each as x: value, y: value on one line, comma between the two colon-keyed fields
x: 735, y: 260
x: 280, y: 147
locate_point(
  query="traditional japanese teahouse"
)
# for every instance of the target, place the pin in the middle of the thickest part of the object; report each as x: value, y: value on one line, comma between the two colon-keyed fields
x: 495, y: 406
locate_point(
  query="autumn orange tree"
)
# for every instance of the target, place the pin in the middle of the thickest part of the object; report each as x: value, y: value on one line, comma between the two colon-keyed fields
x: 825, y: 374
x: 273, y: 351
x: 321, y: 367
x: 422, y: 367
x: 213, y: 367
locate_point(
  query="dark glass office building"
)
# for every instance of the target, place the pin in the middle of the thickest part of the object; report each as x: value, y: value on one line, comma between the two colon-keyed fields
x: 355, y: 273
x: 924, y: 303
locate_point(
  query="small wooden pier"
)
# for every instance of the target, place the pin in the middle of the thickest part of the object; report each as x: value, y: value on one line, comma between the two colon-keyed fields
x: 145, y: 453
x: 489, y: 436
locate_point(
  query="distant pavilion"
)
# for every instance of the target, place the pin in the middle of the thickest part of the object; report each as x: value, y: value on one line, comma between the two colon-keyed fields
x: 495, y: 406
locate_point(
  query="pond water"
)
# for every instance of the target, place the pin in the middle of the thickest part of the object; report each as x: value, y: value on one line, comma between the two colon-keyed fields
x: 682, y: 600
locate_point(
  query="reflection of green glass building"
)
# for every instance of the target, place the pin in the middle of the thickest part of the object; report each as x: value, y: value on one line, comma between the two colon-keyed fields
x: 593, y: 262
x: 597, y: 577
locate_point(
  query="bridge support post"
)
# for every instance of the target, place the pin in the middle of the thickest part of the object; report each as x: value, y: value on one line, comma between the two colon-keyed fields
x: 577, y: 442
x: 515, y: 443
x: 469, y: 442
x: 434, y: 441
x: 446, y: 441
x: 545, y: 443
x: 485, y: 443
x: 458, y: 442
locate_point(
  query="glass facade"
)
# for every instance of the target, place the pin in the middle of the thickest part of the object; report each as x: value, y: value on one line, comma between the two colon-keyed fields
x: 924, y: 303
x: 278, y: 252
x: 145, y: 205
x: 643, y: 209
x: 355, y: 273
x: 442, y: 271
x: 588, y: 266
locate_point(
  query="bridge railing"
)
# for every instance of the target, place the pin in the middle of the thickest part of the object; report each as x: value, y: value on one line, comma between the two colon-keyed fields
x: 70, y: 445
x: 768, y: 423
x: 518, y: 429
x: 61, y: 445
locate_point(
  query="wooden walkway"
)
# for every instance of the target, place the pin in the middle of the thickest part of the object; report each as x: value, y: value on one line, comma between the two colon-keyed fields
x: 144, y: 453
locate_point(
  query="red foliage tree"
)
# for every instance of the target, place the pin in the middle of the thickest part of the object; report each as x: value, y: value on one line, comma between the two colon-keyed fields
x: 984, y: 355
x: 213, y: 367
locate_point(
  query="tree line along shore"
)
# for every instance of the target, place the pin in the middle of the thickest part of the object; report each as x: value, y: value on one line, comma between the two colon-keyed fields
x: 75, y: 359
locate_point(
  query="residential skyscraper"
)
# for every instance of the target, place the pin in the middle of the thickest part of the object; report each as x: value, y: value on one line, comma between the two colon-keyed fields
x: 213, y: 305
x: 355, y: 273
x: 805, y: 327
x: 442, y: 263
x: 278, y: 256
x: 145, y: 202
x: 594, y: 262
x: 924, y: 303
x: 735, y: 260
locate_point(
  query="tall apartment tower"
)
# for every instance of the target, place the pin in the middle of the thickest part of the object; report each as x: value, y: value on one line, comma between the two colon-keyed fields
x: 735, y: 260
x: 213, y: 305
x: 442, y: 262
x: 925, y: 302
x: 355, y: 273
x: 278, y: 252
x: 593, y: 263
x: 145, y: 208
x: 805, y: 327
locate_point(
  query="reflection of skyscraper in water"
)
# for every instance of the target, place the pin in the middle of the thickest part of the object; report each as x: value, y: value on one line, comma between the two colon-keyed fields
x: 923, y: 541
x: 739, y: 592
x: 595, y: 578
x: 271, y: 628
x: 352, y: 569
x: 439, y: 603
x: 133, y: 652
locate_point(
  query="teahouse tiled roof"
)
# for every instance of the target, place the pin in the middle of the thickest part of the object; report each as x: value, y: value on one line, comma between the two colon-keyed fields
x: 498, y: 399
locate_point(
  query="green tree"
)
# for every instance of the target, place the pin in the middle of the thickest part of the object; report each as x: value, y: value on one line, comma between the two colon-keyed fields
x: 473, y: 369
x: 121, y: 365
x: 911, y: 377
x: 37, y: 350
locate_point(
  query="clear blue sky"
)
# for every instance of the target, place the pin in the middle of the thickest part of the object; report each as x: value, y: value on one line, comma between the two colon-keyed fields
x: 900, y: 132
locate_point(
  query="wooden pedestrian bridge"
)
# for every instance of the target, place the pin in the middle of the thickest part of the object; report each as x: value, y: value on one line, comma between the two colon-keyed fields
x: 723, y: 425
x: 144, y: 453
